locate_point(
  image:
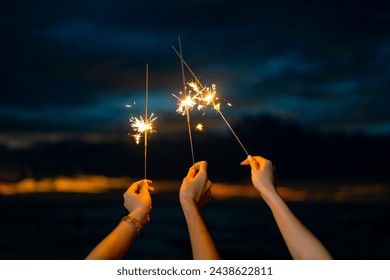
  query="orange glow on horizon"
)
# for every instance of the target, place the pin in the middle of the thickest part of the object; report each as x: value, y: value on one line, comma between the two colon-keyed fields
x: 220, y: 191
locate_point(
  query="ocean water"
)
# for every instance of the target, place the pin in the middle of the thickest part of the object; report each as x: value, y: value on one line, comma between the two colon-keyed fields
x: 62, y: 225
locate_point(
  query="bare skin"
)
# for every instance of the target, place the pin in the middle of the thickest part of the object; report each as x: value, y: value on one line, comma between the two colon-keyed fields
x: 301, y: 243
x: 138, y: 202
x: 194, y: 193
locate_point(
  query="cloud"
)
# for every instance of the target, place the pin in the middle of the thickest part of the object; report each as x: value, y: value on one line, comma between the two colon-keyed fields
x: 320, y: 64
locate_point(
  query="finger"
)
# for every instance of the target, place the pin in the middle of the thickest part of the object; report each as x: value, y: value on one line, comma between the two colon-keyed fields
x: 253, y: 162
x: 144, y: 188
x: 192, y: 172
x: 207, y: 194
x: 245, y: 162
x: 150, y: 185
x: 205, y: 198
x: 202, y: 166
x: 263, y: 162
x: 208, y: 185
x: 146, y: 182
x: 140, y: 185
x: 275, y: 179
x: 134, y: 187
x: 149, y: 182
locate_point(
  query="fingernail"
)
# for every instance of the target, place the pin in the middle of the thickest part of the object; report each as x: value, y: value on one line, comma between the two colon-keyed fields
x: 250, y: 157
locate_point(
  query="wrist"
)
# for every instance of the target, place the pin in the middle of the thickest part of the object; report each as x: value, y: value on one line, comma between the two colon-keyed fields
x: 188, y: 205
x: 136, y: 224
x: 187, y: 201
x: 266, y: 190
x: 140, y: 214
x: 270, y: 196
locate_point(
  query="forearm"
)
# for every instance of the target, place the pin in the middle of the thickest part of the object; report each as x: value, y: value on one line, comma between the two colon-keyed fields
x: 301, y: 243
x: 203, y: 247
x: 115, y: 245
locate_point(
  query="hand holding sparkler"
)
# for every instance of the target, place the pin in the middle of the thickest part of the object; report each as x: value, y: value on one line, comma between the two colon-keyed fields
x: 137, y: 200
x: 196, y: 187
x: 263, y: 176
x: 194, y: 192
x: 301, y: 243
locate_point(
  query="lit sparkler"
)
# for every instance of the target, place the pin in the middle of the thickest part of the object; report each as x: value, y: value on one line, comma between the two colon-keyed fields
x: 208, y: 96
x: 143, y: 125
x: 186, y: 104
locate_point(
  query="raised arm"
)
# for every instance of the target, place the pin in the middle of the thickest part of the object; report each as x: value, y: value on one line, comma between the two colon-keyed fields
x: 138, y: 202
x: 194, y: 193
x: 301, y: 243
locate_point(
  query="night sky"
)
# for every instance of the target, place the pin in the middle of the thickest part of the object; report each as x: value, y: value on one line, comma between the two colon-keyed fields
x: 309, y: 84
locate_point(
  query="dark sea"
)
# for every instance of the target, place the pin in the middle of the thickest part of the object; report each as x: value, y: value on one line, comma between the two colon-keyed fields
x: 66, y: 226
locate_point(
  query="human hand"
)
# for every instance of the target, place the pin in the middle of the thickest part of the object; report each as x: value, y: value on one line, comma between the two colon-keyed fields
x: 137, y: 200
x: 263, y: 177
x: 196, y: 187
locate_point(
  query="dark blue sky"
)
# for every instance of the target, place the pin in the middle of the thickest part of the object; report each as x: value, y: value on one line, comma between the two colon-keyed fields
x: 68, y: 68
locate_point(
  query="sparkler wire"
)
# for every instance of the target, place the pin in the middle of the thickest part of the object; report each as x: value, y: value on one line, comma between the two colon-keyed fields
x: 146, y: 119
x: 186, y: 107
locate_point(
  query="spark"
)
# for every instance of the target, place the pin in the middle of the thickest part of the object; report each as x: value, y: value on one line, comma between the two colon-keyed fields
x: 187, y: 112
x: 140, y: 126
x: 209, y: 97
x: 143, y: 125
x: 185, y: 104
x: 137, y: 137
x: 206, y: 96
x: 199, y: 127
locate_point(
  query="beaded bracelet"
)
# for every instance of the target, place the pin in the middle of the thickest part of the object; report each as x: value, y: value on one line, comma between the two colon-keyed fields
x: 134, y: 222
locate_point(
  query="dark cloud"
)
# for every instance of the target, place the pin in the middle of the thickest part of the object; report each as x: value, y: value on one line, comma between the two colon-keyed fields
x: 72, y: 66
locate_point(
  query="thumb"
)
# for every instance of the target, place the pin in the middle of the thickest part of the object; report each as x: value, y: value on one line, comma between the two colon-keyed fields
x: 192, y: 172
x: 253, y: 162
x: 145, y: 186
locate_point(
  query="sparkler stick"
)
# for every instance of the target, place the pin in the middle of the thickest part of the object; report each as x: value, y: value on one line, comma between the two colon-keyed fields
x: 209, y: 98
x: 146, y: 117
x: 143, y: 126
x: 187, y: 111
x: 231, y: 129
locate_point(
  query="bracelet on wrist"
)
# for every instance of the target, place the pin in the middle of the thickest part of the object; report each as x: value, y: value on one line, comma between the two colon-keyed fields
x: 133, y: 222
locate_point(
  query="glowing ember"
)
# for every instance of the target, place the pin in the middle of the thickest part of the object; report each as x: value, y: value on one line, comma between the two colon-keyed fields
x: 185, y: 104
x: 208, y: 96
x: 140, y: 126
x: 199, y: 127
x: 137, y: 138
